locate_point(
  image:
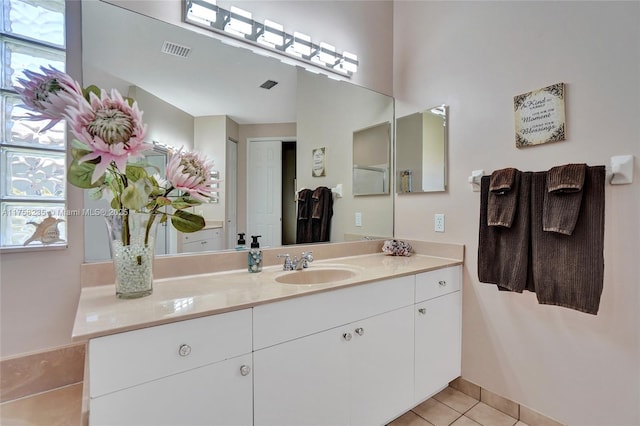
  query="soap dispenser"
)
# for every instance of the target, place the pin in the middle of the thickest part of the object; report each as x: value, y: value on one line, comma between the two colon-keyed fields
x: 255, y: 255
x: 241, y: 245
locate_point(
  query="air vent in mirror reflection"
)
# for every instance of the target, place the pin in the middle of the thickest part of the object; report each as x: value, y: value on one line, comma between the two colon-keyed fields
x: 175, y: 49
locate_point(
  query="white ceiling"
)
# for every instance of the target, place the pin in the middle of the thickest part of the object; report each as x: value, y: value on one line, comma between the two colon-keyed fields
x: 122, y: 48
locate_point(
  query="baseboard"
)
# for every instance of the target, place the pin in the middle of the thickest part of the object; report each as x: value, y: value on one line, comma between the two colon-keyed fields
x: 34, y: 373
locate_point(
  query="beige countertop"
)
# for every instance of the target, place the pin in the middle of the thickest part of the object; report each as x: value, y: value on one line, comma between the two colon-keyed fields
x: 100, y: 313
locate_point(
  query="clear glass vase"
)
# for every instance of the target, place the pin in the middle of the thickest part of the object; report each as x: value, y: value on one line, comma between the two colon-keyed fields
x: 132, y: 239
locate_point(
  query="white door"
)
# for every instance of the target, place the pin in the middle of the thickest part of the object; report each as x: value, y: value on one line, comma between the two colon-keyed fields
x: 231, y: 193
x: 264, y: 191
x: 437, y: 344
x: 216, y: 394
x: 381, y: 365
x: 303, y: 382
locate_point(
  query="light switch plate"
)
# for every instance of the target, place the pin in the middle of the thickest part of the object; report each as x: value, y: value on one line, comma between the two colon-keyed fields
x: 438, y: 220
x: 358, y: 219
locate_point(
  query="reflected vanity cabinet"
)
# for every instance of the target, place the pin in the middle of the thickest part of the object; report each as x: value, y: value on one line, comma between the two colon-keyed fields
x: 352, y: 356
x: 204, y: 240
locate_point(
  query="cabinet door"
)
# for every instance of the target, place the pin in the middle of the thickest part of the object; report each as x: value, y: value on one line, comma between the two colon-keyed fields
x: 216, y: 394
x: 381, y: 363
x: 437, y: 344
x: 304, y: 381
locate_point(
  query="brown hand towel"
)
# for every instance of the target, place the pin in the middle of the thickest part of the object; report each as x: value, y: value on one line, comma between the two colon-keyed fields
x: 303, y: 225
x: 322, y: 213
x: 504, y: 186
x: 568, y: 270
x: 563, y: 198
x: 503, y: 253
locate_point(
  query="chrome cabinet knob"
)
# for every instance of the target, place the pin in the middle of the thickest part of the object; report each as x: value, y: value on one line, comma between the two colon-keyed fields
x: 184, y: 350
x: 442, y: 283
x: 245, y: 370
x: 359, y: 331
x: 347, y: 336
x: 423, y: 311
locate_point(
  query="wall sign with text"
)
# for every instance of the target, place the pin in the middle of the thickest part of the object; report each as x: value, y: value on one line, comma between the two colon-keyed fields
x: 539, y: 116
x: 319, y: 165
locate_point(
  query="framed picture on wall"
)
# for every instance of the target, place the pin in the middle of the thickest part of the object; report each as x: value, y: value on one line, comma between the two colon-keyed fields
x: 539, y: 116
x: 318, y: 167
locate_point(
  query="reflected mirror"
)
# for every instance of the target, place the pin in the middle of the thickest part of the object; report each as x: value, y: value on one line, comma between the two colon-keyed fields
x: 371, y: 147
x: 421, y: 151
x: 210, y: 99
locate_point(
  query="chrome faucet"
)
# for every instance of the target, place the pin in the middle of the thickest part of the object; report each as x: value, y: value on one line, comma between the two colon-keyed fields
x: 296, y: 264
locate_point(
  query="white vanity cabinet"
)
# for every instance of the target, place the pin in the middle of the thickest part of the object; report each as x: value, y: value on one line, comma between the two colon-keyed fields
x: 203, y: 240
x: 190, y: 372
x: 358, y: 355
x: 336, y: 358
x: 437, y: 330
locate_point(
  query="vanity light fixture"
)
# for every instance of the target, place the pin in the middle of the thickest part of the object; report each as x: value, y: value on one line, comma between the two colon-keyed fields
x: 301, y: 46
x: 273, y: 35
x: 239, y: 24
x: 327, y: 54
x: 204, y: 15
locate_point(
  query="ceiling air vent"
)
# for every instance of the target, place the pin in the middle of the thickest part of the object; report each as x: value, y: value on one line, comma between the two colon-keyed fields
x: 175, y: 49
x: 268, y: 84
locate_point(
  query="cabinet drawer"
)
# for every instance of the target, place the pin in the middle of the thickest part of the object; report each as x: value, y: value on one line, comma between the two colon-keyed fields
x: 205, y: 234
x: 127, y: 359
x: 278, y: 322
x: 437, y: 283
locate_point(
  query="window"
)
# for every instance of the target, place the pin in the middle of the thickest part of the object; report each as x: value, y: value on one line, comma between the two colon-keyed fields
x: 32, y: 163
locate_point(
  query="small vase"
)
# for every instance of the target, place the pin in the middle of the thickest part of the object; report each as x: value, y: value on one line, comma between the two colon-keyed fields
x: 132, y: 238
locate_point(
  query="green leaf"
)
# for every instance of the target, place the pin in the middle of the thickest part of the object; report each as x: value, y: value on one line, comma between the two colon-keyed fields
x: 163, y: 219
x: 115, y: 204
x: 91, y: 89
x: 95, y: 193
x: 187, y: 222
x: 132, y: 198
x: 163, y: 201
x: 135, y: 173
x: 179, y: 205
x: 78, y: 153
x: 80, y: 175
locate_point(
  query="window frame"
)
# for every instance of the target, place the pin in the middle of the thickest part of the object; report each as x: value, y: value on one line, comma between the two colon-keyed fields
x: 7, y: 145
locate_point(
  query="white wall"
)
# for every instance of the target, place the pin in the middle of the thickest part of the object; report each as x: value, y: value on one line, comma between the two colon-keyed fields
x: 165, y: 123
x: 475, y: 56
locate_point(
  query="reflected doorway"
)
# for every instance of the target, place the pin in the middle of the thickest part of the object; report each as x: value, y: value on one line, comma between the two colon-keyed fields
x: 271, y: 190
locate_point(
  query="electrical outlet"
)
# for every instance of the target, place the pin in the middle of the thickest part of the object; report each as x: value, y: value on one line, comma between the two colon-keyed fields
x: 358, y: 219
x: 438, y: 220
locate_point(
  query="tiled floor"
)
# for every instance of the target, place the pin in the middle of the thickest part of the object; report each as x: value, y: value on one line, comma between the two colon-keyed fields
x: 452, y: 407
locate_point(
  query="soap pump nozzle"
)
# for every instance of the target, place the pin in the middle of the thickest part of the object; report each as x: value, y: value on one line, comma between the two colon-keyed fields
x: 255, y: 243
x: 241, y: 240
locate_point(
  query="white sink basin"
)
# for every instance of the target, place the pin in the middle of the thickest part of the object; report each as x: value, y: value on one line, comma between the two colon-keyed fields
x: 317, y: 275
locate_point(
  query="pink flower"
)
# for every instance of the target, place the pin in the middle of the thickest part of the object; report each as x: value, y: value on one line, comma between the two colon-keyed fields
x: 48, y: 94
x: 111, y: 128
x: 191, y: 172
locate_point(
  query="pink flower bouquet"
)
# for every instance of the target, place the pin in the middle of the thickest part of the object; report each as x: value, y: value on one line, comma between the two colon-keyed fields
x: 108, y: 150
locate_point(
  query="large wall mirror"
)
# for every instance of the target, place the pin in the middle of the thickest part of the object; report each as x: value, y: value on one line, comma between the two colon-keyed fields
x: 210, y: 99
x: 421, y: 151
